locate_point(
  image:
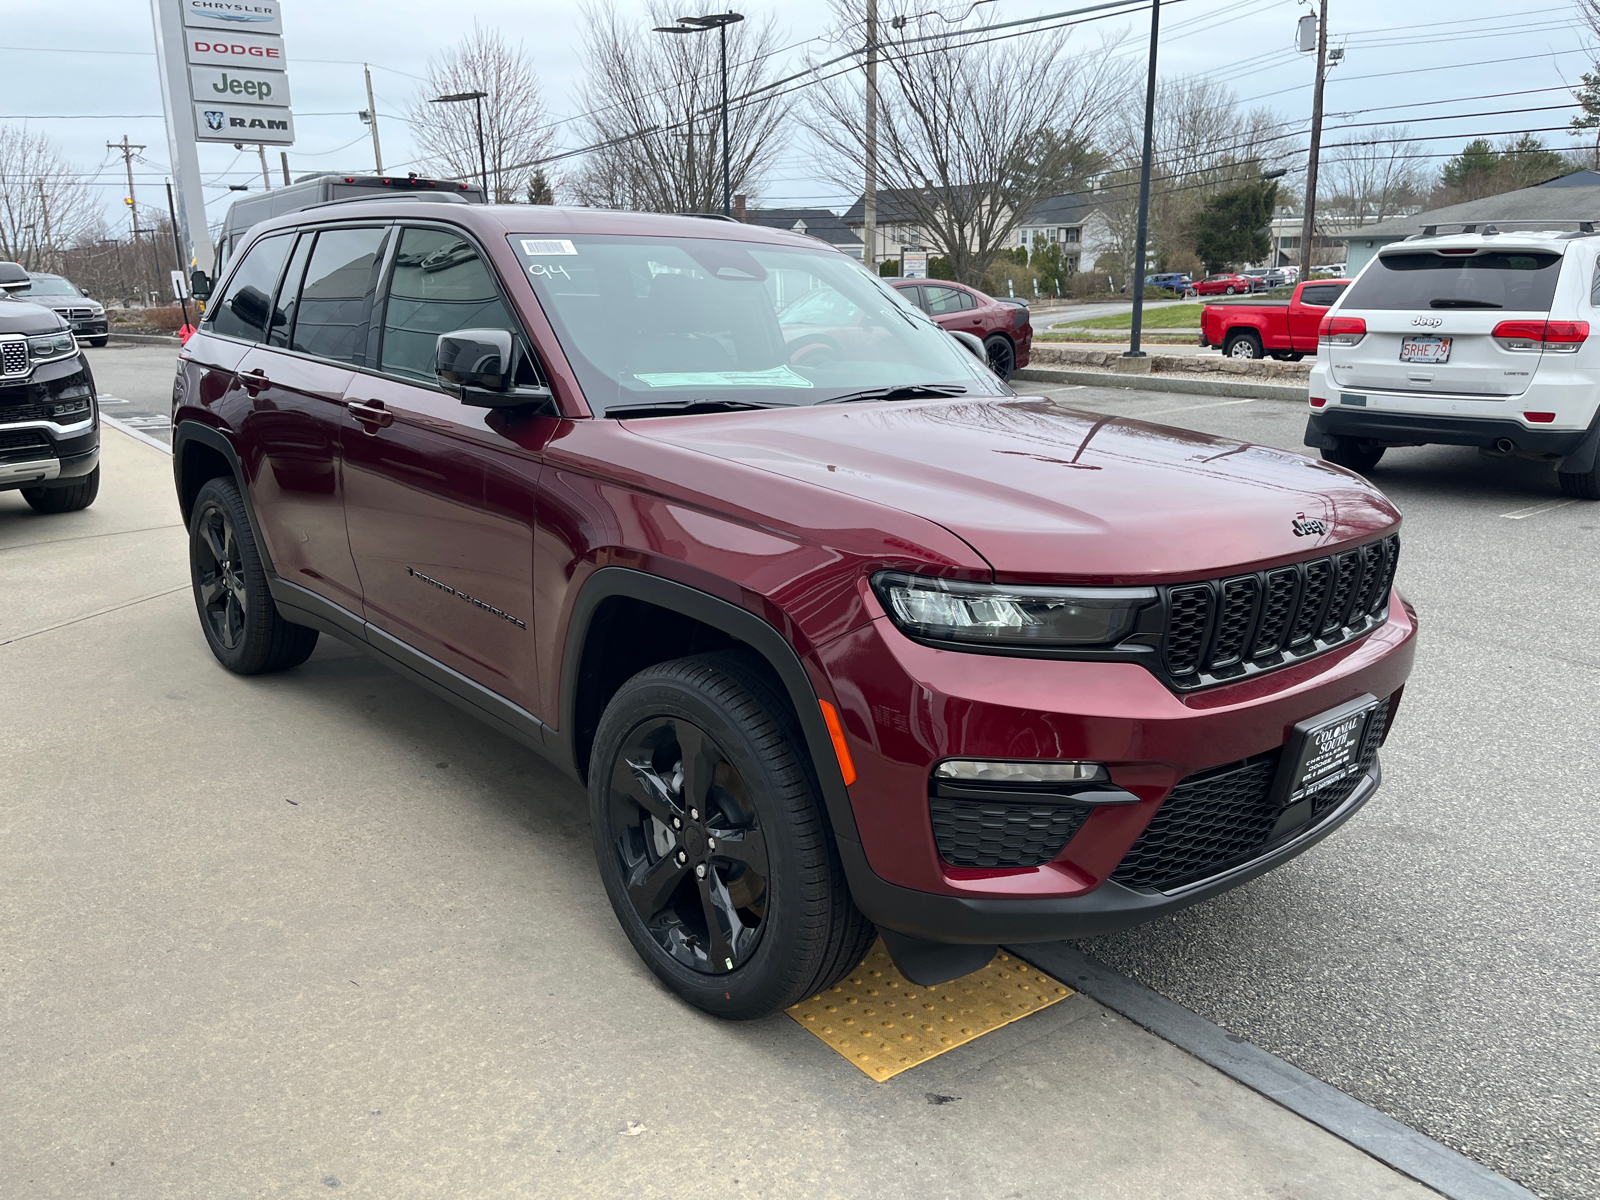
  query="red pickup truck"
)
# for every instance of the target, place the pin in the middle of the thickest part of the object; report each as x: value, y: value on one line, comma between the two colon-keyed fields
x: 1287, y: 330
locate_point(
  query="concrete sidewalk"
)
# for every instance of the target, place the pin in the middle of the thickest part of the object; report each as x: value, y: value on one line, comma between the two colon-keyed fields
x: 319, y: 930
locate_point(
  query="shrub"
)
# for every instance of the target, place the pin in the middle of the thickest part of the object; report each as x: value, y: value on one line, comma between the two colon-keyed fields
x: 168, y: 316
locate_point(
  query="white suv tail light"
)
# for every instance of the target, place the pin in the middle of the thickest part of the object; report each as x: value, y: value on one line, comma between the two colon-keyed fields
x: 1340, y: 331
x: 1559, y: 337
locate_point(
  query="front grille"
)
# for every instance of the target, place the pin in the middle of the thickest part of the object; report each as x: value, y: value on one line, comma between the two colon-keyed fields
x: 79, y: 314
x: 1224, y: 817
x: 1003, y: 833
x: 13, y: 358
x: 22, y: 439
x: 1226, y: 628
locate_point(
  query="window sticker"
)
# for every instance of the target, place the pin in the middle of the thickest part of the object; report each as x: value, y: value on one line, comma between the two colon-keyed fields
x: 776, y: 377
x: 547, y: 246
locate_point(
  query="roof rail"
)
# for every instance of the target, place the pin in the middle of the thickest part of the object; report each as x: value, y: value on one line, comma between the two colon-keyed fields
x: 424, y: 197
x: 708, y: 216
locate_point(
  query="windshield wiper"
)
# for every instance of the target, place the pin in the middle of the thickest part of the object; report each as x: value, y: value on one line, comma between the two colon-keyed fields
x: 904, y: 391
x: 1464, y: 304
x: 661, y: 408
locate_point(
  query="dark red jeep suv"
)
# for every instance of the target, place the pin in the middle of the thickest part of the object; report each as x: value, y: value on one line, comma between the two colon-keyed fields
x: 841, y: 634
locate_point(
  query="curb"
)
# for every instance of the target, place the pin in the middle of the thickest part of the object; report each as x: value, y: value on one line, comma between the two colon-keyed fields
x: 1399, y: 1146
x: 148, y: 339
x: 1167, y: 383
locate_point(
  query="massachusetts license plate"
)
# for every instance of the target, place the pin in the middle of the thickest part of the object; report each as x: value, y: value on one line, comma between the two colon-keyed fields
x: 1327, y: 749
x: 1425, y: 350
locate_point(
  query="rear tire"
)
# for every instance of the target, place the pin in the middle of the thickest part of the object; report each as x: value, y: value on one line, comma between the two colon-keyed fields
x: 64, y: 499
x: 1001, y: 355
x: 1581, y: 485
x: 712, y: 840
x: 1242, y: 345
x: 1354, y: 454
x: 241, y: 622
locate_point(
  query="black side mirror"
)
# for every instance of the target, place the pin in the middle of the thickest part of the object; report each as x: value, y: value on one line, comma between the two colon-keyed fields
x: 477, y: 366
x: 199, y: 284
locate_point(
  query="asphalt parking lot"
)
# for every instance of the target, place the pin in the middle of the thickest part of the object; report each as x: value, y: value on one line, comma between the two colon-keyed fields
x: 321, y: 927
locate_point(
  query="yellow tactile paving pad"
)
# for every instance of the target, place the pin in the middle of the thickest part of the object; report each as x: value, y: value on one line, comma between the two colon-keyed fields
x: 884, y: 1024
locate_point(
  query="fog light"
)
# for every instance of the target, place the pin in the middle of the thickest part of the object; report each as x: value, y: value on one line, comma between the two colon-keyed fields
x: 973, y: 770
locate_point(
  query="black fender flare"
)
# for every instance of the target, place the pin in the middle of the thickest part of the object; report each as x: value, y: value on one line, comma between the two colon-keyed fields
x: 215, y: 439
x: 738, y: 623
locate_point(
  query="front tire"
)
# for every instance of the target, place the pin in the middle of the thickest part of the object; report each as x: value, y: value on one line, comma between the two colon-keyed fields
x: 71, y: 498
x: 1242, y: 345
x: 712, y: 841
x: 98, y: 341
x: 1001, y: 355
x: 241, y: 622
x: 1354, y: 454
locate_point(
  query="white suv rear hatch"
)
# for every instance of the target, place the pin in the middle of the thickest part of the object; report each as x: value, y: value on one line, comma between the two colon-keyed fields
x: 1430, y: 314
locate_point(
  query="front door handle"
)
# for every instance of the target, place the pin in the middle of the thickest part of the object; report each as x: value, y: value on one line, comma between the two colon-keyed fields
x: 371, y: 413
x: 254, y: 380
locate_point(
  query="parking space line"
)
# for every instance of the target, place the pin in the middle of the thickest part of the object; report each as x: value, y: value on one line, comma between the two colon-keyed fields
x: 882, y: 1024
x: 1522, y: 514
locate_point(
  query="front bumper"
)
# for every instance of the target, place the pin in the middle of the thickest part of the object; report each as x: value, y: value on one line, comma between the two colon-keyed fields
x: 905, y: 707
x: 38, y: 450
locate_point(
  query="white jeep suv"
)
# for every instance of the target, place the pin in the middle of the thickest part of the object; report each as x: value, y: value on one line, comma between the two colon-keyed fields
x: 1470, y: 339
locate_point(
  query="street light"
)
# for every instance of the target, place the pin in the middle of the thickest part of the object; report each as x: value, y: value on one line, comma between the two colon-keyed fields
x: 483, y: 159
x: 719, y: 22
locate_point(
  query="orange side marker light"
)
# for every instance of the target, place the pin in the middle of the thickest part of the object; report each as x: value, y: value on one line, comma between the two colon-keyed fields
x: 847, y: 768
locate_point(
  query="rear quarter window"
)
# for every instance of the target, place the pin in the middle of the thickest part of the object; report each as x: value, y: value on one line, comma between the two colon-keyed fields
x: 1522, y: 281
x: 1322, y: 295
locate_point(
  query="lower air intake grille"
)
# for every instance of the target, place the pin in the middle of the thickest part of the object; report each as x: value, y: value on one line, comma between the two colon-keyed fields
x: 1223, y: 818
x: 1002, y: 833
x: 23, y: 439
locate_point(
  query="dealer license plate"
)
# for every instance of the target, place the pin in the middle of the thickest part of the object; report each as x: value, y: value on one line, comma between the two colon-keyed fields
x: 1425, y: 350
x: 1326, y: 750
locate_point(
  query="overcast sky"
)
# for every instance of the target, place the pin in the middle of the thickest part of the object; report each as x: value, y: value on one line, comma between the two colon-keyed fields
x: 86, y: 74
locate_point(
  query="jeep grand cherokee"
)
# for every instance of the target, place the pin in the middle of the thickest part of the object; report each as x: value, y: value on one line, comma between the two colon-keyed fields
x: 841, y: 634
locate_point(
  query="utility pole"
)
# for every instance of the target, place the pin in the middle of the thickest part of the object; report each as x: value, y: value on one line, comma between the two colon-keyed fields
x: 266, y: 180
x: 372, y: 120
x: 1135, y: 270
x: 283, y: 157
x: 49, y: 241
x: 1308, y: 224
x: 869, y: 193
x: 127, y: 161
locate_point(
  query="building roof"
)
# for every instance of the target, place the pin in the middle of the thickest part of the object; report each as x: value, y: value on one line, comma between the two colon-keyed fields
x: 1073, y: 208
x: 1556, y: 203
x: 818, y: 222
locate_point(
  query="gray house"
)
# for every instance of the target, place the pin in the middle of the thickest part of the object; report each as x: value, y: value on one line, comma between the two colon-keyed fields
x: 819, y: 223
x: 1559, y: 203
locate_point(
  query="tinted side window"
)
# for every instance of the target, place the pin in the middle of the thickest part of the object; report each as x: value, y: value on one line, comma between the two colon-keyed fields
x: 289, y: 293
x: 335, y: 302
x: 243, y: 311
x: 967, y: 300
x: 942, y: 300
x: 1323, y: 295
x: 439, y: 285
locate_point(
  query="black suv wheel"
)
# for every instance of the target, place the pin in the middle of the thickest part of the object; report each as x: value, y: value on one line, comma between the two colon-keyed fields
x: 241, y: 623
x: 712, y: 843
x: 70, y: 498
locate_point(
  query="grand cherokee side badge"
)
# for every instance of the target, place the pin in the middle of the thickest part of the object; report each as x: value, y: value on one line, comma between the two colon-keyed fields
x: 1305, y: 526
x: 472, y: 600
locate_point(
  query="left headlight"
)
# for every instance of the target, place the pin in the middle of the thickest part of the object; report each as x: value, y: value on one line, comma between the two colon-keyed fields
x: 983, y: 614
x: 53, y: 346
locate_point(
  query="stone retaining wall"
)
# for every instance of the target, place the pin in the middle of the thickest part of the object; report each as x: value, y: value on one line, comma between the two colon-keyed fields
x: 1169, y: 364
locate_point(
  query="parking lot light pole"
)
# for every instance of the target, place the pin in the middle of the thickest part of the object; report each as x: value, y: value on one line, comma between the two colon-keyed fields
x: 483, y: 158
x: 719, y: 22
x: 1136, y: 278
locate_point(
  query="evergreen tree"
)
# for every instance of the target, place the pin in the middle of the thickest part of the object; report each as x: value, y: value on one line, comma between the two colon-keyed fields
x: 1231, y: 227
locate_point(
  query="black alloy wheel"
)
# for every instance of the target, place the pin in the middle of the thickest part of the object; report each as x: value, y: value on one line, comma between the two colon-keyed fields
x: 713, y: 841
x: 241, y: 622
x: 1002, y: 355
x: 690, y: 845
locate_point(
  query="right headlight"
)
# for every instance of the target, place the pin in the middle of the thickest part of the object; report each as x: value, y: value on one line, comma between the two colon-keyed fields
x: 984, y: 614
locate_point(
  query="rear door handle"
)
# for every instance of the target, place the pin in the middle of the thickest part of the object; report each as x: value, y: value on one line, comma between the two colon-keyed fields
x: 371, y: 412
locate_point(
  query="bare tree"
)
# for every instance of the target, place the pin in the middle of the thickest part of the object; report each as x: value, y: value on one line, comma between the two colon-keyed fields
x: 1202, y: 145
x: 516, y: 125
x: 654, y: 106
x: 1373, y: 182
x: 44, y: 203
x: 971, y: 133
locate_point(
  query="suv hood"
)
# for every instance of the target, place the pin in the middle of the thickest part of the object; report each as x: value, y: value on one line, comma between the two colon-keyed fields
x: 1047, y: 493
x: 27, y: 316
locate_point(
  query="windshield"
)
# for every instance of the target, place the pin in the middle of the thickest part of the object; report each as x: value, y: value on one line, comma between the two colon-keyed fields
x: 678, y: 322
x: 1522, y: 281
x: 46, y: 286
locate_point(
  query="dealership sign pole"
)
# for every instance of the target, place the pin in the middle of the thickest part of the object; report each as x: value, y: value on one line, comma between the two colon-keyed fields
x: 223, y: 79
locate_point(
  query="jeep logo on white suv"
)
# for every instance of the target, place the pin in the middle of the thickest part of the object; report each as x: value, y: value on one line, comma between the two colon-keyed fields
x: 1428, y: 322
